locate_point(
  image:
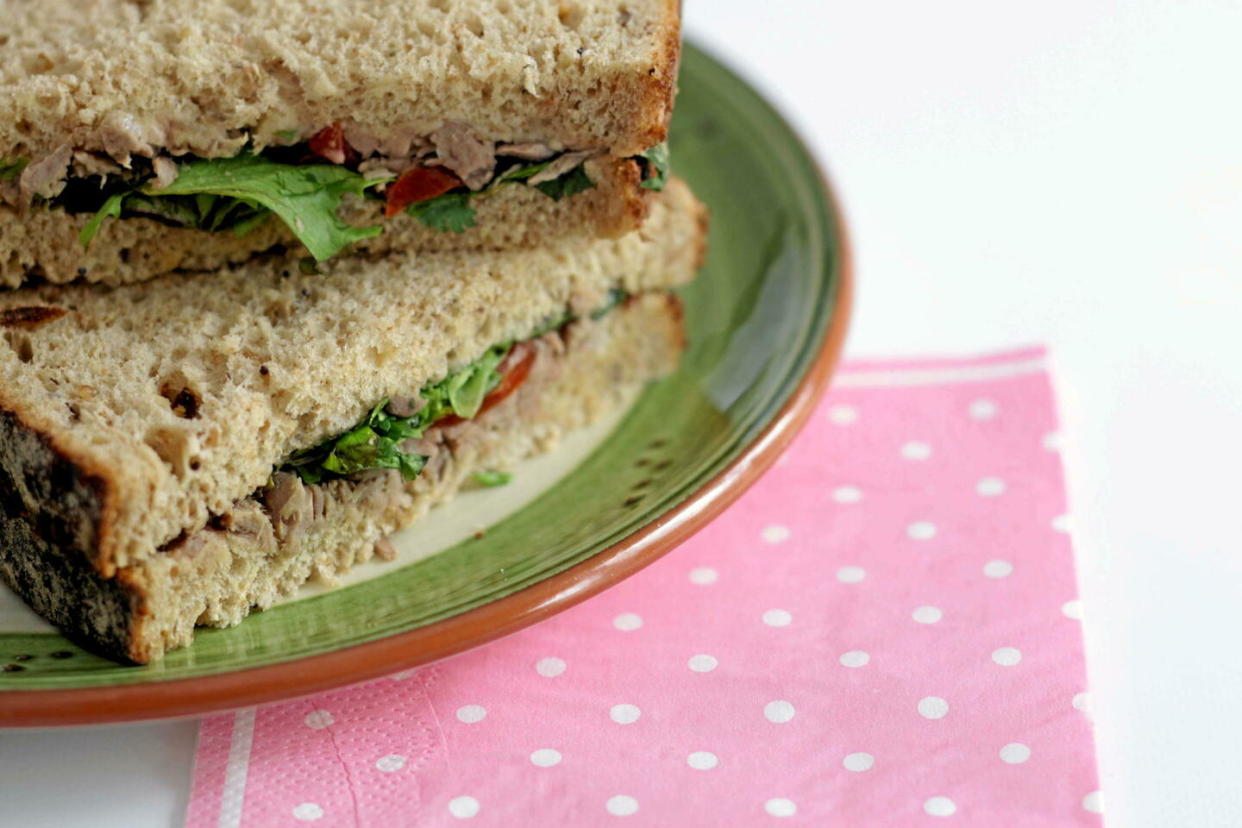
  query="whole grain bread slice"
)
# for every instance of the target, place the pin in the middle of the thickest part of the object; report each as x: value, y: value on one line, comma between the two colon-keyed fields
x: 208, y: 77
x: 130, y: 416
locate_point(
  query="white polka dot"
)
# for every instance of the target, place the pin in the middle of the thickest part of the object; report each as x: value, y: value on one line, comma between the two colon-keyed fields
x: 933, y: 707
x: 940, y: 806
x: 778, y: 712
x: 624, y: 713
x: 1007, y: 656
x: 775, y: 533
x: 621, y: 805
x: 780, y: 807
x: 1082, y: 701
x: 1072, y: 609
x: 855, y: 658
x: 847, y: 494
x: 777, y: 618
x: 463, y: 807
x: 1015, y: 753
x: 851, y: 574
x: 307, y: 812
x: 916, y: 450
x: 858, y: 762
x: 990, y: 486
x: 1052, y: 441
x: 1091, y: 802
x: 319, y: 719
x: 391, y: 762
x: 471, y: 713
x: 627, y: 622
x: 550, y: 667
x: 983, y: 410
x: 927, y: 615
x: 921, y: 530
x: 1061, y: 523
x: 702, y: 760
x: 843, y: 415
x: 545, y: 758
x: 702, y: 663
x: 998, y: 569
x: 404, y: 674
x: 703, y: 576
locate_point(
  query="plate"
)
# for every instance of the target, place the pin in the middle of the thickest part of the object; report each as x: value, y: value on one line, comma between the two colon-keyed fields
x: 766, y: 317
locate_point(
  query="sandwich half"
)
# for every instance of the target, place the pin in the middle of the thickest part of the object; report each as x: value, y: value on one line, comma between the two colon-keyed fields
x: 177, y: 452
x: 138, y: 138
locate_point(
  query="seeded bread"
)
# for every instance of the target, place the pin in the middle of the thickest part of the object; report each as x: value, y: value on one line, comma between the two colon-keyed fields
x: 129, y: 416
x: 207, y: 76
x: 41, y: 245
x: 260, y: 550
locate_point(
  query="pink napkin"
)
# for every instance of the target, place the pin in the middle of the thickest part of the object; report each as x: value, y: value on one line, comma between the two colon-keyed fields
x: 883, y: 631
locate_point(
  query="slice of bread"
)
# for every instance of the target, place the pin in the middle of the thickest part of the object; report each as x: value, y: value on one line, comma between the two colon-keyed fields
x: 41, y: 245
x: 131, y: 416
x: 255, y: 553
x: 206, y: 77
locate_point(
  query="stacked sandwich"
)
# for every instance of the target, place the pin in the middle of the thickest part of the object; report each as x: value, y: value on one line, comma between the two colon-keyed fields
x: 281, y: 275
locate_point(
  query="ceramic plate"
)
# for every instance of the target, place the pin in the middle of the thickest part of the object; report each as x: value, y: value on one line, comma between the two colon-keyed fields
x: 766, y: 318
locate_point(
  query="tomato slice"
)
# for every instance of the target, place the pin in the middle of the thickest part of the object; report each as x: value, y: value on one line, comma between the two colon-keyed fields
x: 513, y: 372
x: 418, y: 184
x: 329, y: 143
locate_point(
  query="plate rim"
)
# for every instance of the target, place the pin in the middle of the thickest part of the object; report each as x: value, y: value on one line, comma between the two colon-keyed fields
x: 202, y: 695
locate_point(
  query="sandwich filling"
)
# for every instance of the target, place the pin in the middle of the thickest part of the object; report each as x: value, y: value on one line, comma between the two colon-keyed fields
x: 389, y: 437
x: 303, y: 182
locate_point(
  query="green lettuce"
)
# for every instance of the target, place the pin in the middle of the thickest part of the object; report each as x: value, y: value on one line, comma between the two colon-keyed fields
x: 656, y: 162
x: 571, y: 183
x: 447, y: 213
x: 11, y: 168
x: 305, y: 197
x: 492, y: 479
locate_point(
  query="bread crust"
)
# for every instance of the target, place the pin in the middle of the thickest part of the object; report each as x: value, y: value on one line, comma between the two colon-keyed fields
x: 207, y: 77
x: 251, y: 558
x: 41, y: 246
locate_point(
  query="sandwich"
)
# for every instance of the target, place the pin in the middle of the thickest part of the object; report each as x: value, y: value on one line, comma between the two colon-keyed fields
x: 180, y: 451
x: 138, y: 138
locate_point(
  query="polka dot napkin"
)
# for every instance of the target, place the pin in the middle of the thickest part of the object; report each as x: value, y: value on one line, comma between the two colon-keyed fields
x: 883, y: 631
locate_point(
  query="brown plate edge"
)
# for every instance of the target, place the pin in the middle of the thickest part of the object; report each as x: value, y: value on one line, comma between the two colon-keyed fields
x: 423, y: 645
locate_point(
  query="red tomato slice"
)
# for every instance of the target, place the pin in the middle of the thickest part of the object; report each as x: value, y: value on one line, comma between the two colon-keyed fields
x: 329, y: 143
x: 418, y: 184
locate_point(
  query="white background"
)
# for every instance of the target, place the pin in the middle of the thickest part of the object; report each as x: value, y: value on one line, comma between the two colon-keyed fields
x: 1068, y: 172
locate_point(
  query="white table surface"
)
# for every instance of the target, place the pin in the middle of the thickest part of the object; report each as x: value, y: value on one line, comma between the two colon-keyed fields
x: 1067, y: 172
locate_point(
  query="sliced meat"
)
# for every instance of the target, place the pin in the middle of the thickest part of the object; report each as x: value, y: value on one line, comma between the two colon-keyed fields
x: 527, y: 152
x: 46, y: 177
x: 462, y: 151
x: 566, y: 163
x: 165, y: 172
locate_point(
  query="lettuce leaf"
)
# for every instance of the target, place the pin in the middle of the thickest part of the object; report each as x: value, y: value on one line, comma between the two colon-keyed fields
x: 305, y: 197
x: 491, y: 479
x: 111, y: 208
x: 656, y: 162
x: 11, y: 168
x: 450, y: 212
x: 571, y: 183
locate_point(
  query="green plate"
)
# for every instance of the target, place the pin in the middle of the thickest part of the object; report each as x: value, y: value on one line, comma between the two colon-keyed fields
x: 766, y: 318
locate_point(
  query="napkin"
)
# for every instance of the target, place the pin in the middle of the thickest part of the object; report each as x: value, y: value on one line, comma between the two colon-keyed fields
x: 883, y: 631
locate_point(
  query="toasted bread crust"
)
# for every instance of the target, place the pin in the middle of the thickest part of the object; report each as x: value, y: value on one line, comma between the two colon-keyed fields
x: 40, y: 245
